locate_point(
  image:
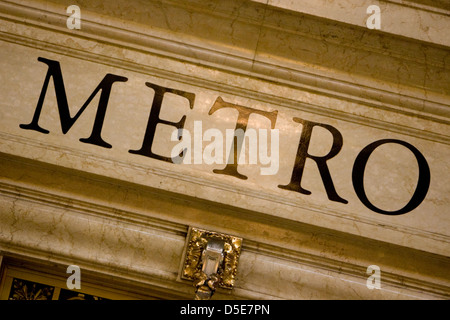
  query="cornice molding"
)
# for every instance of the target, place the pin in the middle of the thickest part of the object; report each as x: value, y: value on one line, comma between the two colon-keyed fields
x: 397, y: 97
x: 257, y: 198
x: 425, y: 18
x: 118, y: 221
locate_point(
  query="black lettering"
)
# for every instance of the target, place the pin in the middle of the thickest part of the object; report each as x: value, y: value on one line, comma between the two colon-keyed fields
x: 54, y: 72
x: 423, y: 182
x: 302, y: 154
x: 231, y: 168
x: 154, y: 119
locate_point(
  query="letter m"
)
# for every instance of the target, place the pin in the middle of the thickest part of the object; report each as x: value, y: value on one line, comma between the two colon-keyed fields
x: 54, y: 72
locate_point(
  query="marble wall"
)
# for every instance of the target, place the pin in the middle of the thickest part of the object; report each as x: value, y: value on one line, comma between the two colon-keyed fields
x: 117, y: 205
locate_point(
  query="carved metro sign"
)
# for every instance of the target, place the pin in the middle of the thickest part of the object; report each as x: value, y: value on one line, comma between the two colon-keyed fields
x: 231, y: 168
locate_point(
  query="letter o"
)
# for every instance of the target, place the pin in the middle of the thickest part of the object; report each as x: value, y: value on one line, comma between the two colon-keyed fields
x: 423, y: 182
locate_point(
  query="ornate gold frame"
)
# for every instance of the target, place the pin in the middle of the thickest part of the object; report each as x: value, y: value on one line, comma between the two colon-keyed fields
x: 196, y: 243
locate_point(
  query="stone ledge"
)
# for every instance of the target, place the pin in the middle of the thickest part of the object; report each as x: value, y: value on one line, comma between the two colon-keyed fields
x: 60, y: 229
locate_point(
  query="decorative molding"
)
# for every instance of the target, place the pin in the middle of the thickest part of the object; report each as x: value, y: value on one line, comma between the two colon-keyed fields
x: 125, y: 220
x: 349, y: 269
x: 424, y: 17
x: 207, y: 183
x: 134, y: 40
